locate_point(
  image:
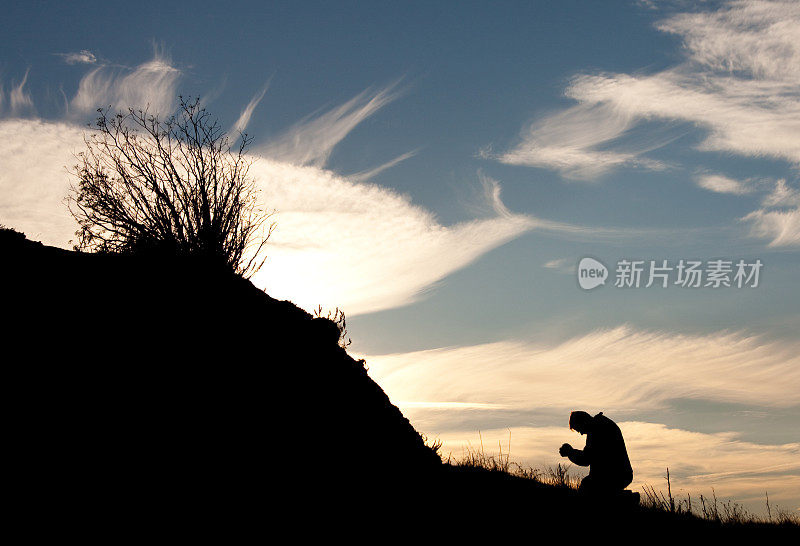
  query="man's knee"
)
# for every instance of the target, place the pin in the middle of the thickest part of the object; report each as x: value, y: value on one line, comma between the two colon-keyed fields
x: 587, y: 485
x: 591, y: 485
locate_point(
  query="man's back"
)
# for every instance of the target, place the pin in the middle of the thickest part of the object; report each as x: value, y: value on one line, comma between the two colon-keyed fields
x: 606, y: 450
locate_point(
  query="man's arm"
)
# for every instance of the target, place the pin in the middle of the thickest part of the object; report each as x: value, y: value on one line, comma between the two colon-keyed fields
x: 578, y: 457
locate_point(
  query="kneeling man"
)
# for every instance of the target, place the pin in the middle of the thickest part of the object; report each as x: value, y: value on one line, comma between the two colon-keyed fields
x: 605, y: 454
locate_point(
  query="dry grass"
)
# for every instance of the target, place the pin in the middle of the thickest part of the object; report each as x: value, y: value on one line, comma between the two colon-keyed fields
x: 707, y: 508
x: 727, y: 512
x: 557, y: 476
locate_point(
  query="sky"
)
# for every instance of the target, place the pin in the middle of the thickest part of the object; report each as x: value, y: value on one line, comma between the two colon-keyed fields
x: 439, y: 171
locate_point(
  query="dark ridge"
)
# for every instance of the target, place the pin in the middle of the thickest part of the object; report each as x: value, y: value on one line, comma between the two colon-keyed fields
x: 161, y: 398
x: 161, y: 386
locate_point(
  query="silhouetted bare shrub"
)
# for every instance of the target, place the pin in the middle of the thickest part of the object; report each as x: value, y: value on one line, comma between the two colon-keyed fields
x: 338, y: 323
x: 175, y: 185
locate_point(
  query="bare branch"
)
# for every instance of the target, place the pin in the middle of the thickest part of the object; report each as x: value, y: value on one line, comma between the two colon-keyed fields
x: 176, y: 185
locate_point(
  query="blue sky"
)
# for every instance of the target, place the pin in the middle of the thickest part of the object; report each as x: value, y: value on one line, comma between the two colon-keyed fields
x: 438, y: 171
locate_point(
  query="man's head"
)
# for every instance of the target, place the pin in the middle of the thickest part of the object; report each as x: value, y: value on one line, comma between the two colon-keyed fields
x: 580, y: 421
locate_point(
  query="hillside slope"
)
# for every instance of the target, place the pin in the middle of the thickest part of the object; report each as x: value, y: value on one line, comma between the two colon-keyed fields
x: 159, y: 396
x: 160, y: 387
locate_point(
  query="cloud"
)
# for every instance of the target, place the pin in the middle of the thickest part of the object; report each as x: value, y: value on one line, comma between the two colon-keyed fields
x: 779, y: 218
x: 358, y: 246
x: 699, y: 463
x: 355, y: 245
x: 152, y: 84
x: 757, y: 38
x: 311, y: 141
x: 571, y: 141
x: 367, y: 175
x: 739, y: 83
x: 619, y: 368
x: 451, y: 405
x: 722, y: 184
x: 781, y: 227
x: 244, y: 118
x: 449, y: 393
x: 363, y: 247
x: 561, y: 265
x: 747, y: 117
x: 339, y: 242
x: 555, y: 264
x: 19, y: 100
x: 34, y: 179
x: 783, y: 195
x: 84, y: 56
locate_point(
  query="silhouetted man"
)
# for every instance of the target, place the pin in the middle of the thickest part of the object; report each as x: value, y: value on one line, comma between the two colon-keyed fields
x: 605, y: 454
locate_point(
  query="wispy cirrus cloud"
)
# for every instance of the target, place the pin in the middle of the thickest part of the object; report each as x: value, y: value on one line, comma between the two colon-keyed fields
x: 555, y: 264
x: 719, y: 183
x: 778, y: 219
x: 35, y: 153
x: 358, y: 246
x: 340, y: 241
x: 84, y: 56
x: 745, y: 116
x: 151, y: 85
x: 561, y: 265
x: 780, y: 227
x: 572, y: 143
x: 623, y: 372
x: 367, y: 175
x: 19, y: 100
x: 781, y: 194
x: 247, y: 113
x: 34, y: 180
x: 752, y: 37
x: 311, y: 141
x: 738, y: 84
x: 620, y: 367
x: 363, y: 247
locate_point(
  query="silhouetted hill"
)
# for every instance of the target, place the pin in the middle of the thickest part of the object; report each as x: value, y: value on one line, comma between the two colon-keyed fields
x: 161, y: 385
x: 161, y: 396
